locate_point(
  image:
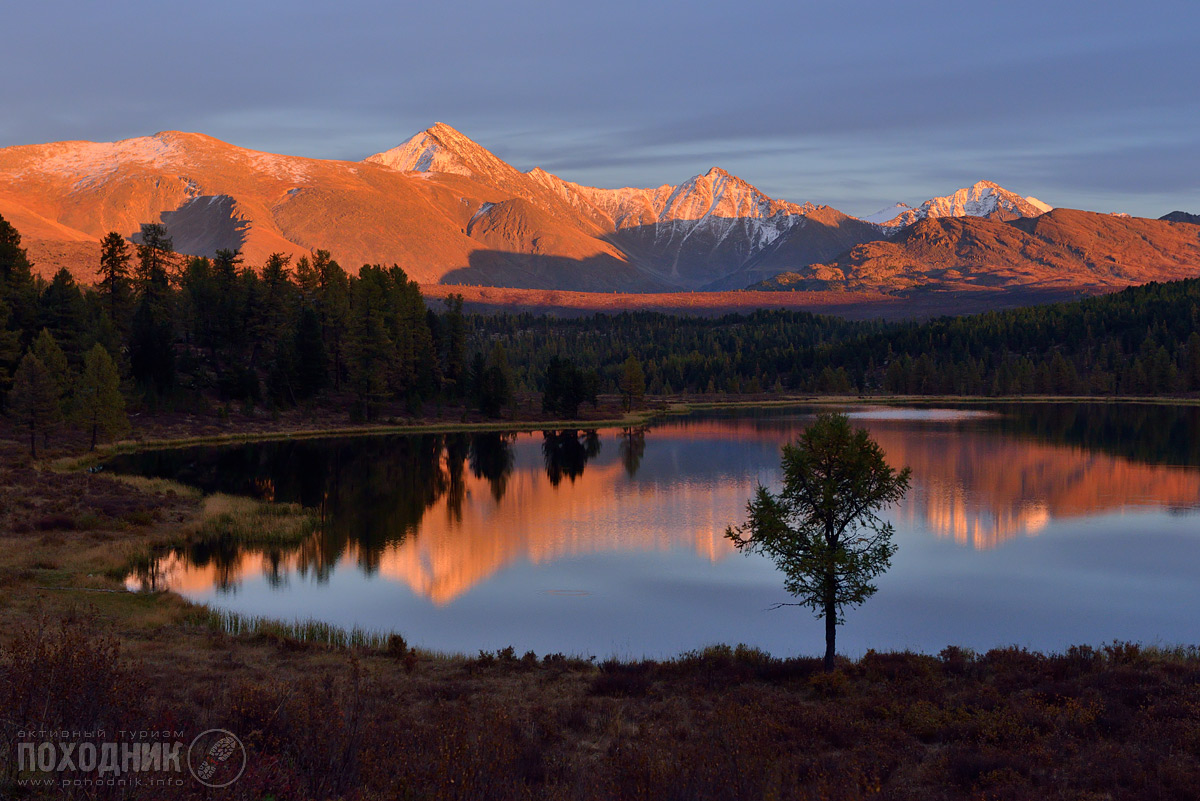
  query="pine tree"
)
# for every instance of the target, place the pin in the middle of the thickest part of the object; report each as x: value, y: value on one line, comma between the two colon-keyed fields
x: 99, y: 406
x: 17, y: 287
x: 115, y: 286
x: 311, y: 360
x: 496, y: 389
x: 371, y: 362
x: 34, y: 400
x: 632, y: 382
x: 10, y: 348
x: 52, y: 358
x: 63, y: 310
x: 151, y: 348
x: 333, y: 304
x: 455, y: 326
x: 1191, y: 363
x: 156, y: 257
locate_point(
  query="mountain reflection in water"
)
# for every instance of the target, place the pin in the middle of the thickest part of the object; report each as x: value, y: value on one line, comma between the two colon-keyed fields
x: 444, y: 512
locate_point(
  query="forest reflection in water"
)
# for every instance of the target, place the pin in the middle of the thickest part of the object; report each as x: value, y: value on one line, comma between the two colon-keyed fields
x: 443, y: 514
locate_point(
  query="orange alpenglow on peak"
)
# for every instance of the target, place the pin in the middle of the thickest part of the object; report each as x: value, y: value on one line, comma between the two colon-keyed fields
x: 451, y: 212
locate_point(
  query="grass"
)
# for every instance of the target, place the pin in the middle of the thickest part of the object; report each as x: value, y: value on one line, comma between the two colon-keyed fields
x: 247, y: 521
x: 308, y: 632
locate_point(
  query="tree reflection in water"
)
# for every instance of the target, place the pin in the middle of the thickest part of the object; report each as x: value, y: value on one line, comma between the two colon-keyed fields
x: 566, y: 453
x: 369, y: 493
x: 633, y: 448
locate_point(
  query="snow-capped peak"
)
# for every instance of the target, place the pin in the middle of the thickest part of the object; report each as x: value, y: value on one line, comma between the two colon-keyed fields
x: 983, y: 199
x: 443, y: 149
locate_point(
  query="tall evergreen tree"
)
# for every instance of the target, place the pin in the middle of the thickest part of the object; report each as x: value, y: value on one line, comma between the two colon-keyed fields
x: 632, y: 382
x: 99, y: 406
x: 333, y: 305
x: 372, y: 356
x: 34, y: 401
x: 455, y: 327
x: 152, y: 348
x: 1191, y: 362
x: 311, y: 362
x: 152, y: 333
x: 63, y: 310
x: 17, y: 287
x: 54, y: 360
x: 115, y: 286
x: 156, y: 259
x: 495, y: 387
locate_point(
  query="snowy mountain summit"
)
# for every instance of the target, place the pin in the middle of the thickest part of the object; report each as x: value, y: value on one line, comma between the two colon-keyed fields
x: 443, y: 149
x: 984, y: 199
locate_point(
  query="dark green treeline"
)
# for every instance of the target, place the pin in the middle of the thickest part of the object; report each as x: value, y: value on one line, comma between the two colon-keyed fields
x: 187, y: 332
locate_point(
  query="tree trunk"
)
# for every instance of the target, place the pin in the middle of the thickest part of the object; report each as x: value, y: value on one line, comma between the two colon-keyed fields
x: 830, y: 633
x: 95, y: 430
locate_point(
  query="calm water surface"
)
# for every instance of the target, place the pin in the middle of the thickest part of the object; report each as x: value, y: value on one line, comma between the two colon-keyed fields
x: 1040, y: 526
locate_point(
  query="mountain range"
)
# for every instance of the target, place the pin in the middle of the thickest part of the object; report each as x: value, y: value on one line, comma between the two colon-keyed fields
x: 451, y: 212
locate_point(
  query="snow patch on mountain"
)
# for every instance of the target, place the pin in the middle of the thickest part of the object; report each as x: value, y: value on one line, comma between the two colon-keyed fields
x: 443, y: 149
x: 984, y: 199
x: 92, y: 162
x: 287, y: 168
x: 882, y: 216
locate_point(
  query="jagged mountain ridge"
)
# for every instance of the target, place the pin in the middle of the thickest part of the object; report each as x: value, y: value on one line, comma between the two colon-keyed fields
x: 450, y: 211
x: 688, y: 236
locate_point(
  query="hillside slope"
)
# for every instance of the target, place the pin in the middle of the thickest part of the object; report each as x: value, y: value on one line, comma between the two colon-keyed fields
x: 1059, y: 250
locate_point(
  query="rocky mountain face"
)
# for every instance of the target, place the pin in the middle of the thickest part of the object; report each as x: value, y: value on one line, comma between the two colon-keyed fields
x: 1063, y: 249
x: 451, y: 212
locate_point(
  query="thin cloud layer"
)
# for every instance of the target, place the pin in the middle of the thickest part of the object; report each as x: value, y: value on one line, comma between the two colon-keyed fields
x: 856, y: 105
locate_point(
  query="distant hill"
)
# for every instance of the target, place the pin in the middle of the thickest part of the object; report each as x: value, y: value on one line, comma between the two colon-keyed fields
x: 1059, y: 250
x: 1181, y: 216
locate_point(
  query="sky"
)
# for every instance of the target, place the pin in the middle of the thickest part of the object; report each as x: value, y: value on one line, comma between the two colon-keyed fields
x: 858, y: 105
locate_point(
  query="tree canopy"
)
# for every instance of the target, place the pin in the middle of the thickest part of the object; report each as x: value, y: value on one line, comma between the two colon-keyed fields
x: 824, y: 529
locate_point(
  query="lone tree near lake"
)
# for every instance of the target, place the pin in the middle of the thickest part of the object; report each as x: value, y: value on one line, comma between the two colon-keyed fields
x: 823, y: 530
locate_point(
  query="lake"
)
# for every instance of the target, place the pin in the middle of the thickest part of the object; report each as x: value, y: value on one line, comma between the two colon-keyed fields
x: 1038, y: 525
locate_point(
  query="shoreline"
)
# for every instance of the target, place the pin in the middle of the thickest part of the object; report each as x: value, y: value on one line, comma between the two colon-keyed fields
x: 668, y: 407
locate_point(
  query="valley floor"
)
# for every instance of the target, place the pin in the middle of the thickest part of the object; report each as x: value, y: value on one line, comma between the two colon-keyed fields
x: 380, y: 721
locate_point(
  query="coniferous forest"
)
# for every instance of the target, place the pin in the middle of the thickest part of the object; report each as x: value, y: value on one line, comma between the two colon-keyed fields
x: 164, y: 331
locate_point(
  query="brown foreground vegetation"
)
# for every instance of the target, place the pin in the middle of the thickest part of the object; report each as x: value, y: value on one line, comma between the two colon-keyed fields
x: 380, y: 720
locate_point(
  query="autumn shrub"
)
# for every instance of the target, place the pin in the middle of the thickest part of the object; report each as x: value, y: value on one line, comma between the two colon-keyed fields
x: 1076, y: 661
x: 900, y: 666
x: 957, y: 661
x: 627, y: 679
x: 397, y: 646
x: 63, y: 674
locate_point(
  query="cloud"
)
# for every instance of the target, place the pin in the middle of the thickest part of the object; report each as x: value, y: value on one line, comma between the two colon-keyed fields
x: 861, y: 102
